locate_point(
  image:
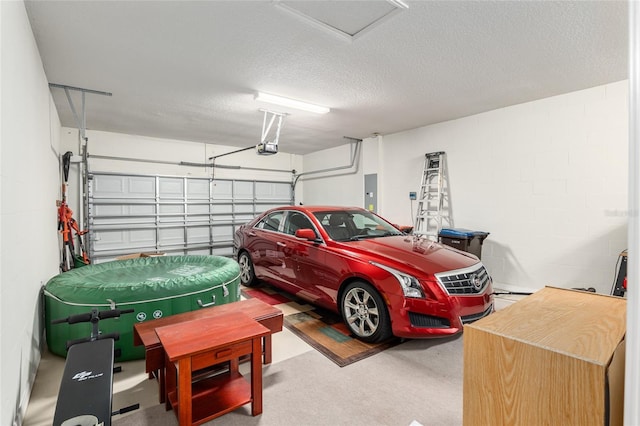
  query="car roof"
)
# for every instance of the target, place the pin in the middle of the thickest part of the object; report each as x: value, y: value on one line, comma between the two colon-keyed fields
x: 313, y: 209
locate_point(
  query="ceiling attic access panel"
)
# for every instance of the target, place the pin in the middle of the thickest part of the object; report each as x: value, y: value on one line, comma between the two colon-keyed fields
x: 347, y: 19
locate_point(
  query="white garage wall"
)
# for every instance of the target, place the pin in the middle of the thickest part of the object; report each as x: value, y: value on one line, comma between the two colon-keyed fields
x: 29, y: 180
x: 336, y: 176
x: 547, y: 179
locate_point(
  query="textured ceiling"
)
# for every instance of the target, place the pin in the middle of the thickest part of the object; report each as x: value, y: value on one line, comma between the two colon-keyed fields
x: 189, y: 70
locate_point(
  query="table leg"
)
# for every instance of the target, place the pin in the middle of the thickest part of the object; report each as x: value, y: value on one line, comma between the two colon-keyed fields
x: 170, y: 374
x: 234, y: 365
x: 256, y: 377
x: 267, y: 349
x: 162, y: 384
x: 184, y: 392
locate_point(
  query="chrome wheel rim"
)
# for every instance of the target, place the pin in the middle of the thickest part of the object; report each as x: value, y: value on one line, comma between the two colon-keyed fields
x: 245, y: 269
x: 361, y: 312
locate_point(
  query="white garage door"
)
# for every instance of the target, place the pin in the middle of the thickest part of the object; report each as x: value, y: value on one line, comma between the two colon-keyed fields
x: 176, y: 215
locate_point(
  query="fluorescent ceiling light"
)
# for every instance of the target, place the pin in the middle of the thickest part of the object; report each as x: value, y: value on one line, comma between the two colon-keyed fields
x: 291, y: 103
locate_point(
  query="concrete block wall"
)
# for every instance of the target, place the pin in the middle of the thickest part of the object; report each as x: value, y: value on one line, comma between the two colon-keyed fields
x: 547, y: 179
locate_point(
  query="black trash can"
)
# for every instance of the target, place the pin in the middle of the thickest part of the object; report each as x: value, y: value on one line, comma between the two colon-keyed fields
x: 463, y: 239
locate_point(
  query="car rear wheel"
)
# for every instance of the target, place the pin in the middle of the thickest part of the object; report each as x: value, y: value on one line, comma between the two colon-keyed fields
x: 365, y: 313
x: 247, y: 276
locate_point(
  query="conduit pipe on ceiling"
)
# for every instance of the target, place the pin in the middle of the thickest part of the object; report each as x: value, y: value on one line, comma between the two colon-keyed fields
x: 355, y: 157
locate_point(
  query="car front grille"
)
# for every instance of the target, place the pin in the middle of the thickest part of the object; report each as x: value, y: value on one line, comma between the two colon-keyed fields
x: 428, y: 321
x: 465, y: 282
x: 475, y: 317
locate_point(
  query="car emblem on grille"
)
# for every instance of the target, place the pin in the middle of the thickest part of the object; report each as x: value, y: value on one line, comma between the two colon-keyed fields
x: 475, y: 281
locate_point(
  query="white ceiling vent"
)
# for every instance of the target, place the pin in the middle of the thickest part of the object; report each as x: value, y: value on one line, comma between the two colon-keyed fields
x: 348, y: 19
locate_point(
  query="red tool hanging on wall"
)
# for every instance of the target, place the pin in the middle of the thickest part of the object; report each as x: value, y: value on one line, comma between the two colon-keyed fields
x: 67, y: 224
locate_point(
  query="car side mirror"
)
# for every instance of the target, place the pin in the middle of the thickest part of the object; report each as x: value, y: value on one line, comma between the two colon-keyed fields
x: 407, y: 229
x: 307, y: 234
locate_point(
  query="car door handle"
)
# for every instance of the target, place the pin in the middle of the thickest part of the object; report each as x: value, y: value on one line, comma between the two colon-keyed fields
x: 281, y: 244
x: 252, y: 234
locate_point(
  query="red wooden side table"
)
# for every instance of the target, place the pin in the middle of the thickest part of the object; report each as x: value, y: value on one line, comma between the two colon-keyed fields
x: 195, y: 345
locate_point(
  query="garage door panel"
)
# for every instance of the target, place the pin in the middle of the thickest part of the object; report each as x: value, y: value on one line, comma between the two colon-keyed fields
x: 244, y: 208
x: 114, y: 186
x: 171, y: 213
x: 104, y: 240
x: 199, y: 234
x: 171, y: 209
x: 113, y: 215
x: 140, y: 209
x: 122, y: 222
x: 141, y: 187
x: 222, y: 251
x: 171, y: 188
x: 198, y: 189
x: 273, y: 191
x: 123, y: 239
x: 198, y: 219
x: 200, y: 211
x: 123, y: 187
x: 222, y: 208
x: 111, y: 185
x: 244, y: 218
x: 178, y: 215
x: 222, y: 190
x: 243, y: 190
x: 198, y: 252
x: 142, y: 236
x: 222, y: 218
x: 114, y: 209
x: 171, y: 220
x: 222, y: 233
x: 171, y: 236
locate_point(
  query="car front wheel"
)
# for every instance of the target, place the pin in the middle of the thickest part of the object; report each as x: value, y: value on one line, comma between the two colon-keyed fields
x: 365, y: 313
x: 247, y: 276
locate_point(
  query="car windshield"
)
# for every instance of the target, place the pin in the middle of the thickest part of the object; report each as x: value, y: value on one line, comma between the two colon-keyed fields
x: 353, y: 225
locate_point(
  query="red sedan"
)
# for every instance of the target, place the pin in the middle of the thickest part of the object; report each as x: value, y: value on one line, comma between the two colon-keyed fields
x: 382, y: 281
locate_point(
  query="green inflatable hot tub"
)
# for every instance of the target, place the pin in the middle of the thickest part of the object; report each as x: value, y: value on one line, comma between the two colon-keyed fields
x: 153, y: 286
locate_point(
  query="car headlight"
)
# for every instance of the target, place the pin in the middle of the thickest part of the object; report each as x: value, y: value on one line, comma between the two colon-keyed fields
x: 410, y: 285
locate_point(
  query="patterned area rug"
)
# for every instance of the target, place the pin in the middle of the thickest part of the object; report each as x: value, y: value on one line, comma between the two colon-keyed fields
x: 322, y: 329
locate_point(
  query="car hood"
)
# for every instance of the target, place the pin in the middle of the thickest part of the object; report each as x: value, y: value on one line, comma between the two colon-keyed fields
x: 410, y: 253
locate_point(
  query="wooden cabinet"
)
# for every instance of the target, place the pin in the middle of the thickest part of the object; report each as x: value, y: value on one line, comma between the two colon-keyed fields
x: 553, y: 358
x: 195, y: 345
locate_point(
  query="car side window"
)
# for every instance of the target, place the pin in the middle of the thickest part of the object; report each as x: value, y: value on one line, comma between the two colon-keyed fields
x: 271, y: 222
x: 295, y: 221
